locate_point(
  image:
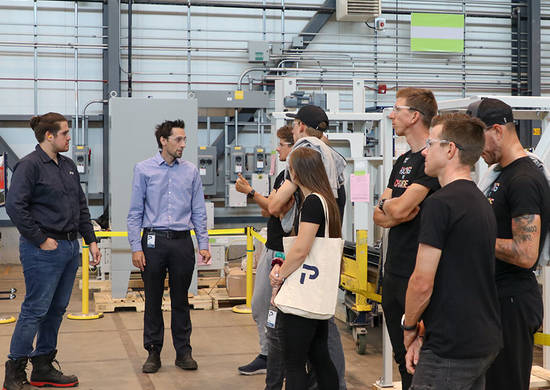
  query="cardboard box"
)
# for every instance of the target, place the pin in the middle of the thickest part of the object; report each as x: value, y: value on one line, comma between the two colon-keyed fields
x: 235, y: 281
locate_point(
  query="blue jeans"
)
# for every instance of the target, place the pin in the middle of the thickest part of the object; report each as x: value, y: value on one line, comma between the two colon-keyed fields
x: 436, y: 373
x: 49, y: 279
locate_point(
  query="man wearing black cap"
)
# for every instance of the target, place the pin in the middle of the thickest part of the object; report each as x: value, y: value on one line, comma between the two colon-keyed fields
x: 520, y: 198
x: 308, y: 127
x: 398, y: 209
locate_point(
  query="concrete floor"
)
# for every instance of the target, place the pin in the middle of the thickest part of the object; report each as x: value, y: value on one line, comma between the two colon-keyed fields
x: 108, y: 353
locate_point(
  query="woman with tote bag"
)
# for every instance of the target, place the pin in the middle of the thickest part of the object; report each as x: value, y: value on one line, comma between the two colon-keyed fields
x: 311, y: 272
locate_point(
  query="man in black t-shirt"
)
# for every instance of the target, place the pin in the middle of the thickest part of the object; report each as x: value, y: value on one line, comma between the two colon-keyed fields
x: 262, y: 287
x: 452, y: 288
x: 520, y: 199
x: 398, y: 210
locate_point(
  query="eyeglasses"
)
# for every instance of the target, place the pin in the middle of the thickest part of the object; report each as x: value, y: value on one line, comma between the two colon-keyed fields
x: 430, y: 142
x: 398, y: 108
x: 178, y: 140
x: 281, y: 144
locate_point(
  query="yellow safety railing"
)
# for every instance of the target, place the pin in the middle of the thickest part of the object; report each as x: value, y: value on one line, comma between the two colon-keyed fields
x: 250, y: 235
x: 85, y: 314
x: 542, y: 339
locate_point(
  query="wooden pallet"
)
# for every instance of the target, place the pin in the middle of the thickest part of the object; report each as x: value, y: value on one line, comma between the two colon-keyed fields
x: 201, y: 301
x: 221, y: 300
x: 540, y: 378
x: 105, y: 303
x: 396, y: 386
x: 211, y: 281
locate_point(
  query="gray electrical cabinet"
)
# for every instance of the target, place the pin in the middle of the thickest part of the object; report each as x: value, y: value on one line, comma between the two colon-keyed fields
x: 258, y: 51
x: 237, y: 162
x: 132, y: 139
x: 207, y: 165
x: 259, y: 160
x: 81, y: 159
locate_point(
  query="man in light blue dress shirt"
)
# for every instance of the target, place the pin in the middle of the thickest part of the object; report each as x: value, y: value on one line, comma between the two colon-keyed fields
x: 167, y: 202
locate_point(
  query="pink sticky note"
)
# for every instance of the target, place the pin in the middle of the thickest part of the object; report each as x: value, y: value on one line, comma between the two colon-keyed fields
x: 359, y: 187
x: 272, y: 166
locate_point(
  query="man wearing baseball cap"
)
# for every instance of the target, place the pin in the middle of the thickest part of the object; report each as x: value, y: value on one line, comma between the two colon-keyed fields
x: 308, y: 127
x: 520, y: 198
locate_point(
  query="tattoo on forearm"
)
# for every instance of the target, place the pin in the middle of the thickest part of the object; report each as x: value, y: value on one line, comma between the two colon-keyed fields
x: 524, y: 245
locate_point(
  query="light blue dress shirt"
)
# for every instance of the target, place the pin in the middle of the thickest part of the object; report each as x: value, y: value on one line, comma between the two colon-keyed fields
x: 166, y: 197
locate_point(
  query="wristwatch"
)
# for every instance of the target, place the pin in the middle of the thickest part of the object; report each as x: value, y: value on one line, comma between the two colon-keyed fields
x: 251, y: 193
x: 381, y: 204
x: 405, y: 327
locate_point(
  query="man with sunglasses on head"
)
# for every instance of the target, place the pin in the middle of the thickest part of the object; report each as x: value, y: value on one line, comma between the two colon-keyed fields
x: 398, y: 209
x: 167, y: 202
x: 520, y: 198
x: 261, y: 298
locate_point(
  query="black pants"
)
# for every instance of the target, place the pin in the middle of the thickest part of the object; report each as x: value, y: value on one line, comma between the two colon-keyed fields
x: 178, y: 257
x: 394, y: 290
x: 521, y: 317
x: 305, y: 339
x: 275, y: 376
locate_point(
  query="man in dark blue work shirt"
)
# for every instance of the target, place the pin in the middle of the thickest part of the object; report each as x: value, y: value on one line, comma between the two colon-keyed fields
x: 167, y: 202
x: 47, y: 205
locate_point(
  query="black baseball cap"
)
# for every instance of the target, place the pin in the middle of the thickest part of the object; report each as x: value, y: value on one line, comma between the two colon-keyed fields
x: 312, y: 116
x: 491, y: 112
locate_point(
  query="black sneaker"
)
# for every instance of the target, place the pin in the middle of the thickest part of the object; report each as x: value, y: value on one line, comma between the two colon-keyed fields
x: 186, y: 362
x: 256, y: 366
x: 152, y: 364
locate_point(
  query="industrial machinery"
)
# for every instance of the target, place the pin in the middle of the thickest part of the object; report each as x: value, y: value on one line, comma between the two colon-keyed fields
x: 361, y: 279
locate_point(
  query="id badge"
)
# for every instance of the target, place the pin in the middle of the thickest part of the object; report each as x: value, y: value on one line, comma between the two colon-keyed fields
x: 271, y: 319
x: 150, y: 241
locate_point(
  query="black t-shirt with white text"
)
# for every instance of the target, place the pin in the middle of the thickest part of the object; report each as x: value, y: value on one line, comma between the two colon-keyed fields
x: 403, y: 238
x: 520, y: 189
x: 275, y: 232
x: 463, y: 317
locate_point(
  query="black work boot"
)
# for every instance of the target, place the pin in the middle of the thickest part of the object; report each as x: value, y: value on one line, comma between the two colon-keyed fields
x: 186, y: 362
x: 152, y: 364
x: 44, y: 374
x: 16, y: 377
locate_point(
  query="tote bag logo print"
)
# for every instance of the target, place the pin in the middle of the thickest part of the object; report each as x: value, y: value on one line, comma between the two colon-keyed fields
x: 310, y: 268
x: 315, y: 299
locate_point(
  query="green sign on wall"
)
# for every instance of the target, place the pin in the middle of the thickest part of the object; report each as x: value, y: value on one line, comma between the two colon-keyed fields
x: 437, y: 32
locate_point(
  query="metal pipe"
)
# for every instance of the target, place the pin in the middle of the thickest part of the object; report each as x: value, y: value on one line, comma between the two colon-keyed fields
x: 208, y: 130
x: 236, y: 126
x: 85, y: 118
x: 226, y: 148
x: 258, y: 120
x: 35, y: 55
x: 76, y: 132
x: 188, y: 45
x: 130, y: 48
x: 283, y: 22
x: 264, y: 21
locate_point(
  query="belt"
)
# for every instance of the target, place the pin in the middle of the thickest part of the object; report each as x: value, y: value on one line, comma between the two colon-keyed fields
x: 168, y: 234
x: 69, y: 236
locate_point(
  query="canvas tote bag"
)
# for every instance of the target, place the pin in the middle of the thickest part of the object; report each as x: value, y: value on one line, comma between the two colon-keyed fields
x: 311, y: 291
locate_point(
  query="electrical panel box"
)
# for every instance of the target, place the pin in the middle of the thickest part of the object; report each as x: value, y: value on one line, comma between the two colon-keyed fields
x: 260, y: 183
x: 207, y: 165
x: 259, y: 160
x: 236, y: 198
x: 237, y: 162
x: 258, y: 51
x: 81, y: 157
